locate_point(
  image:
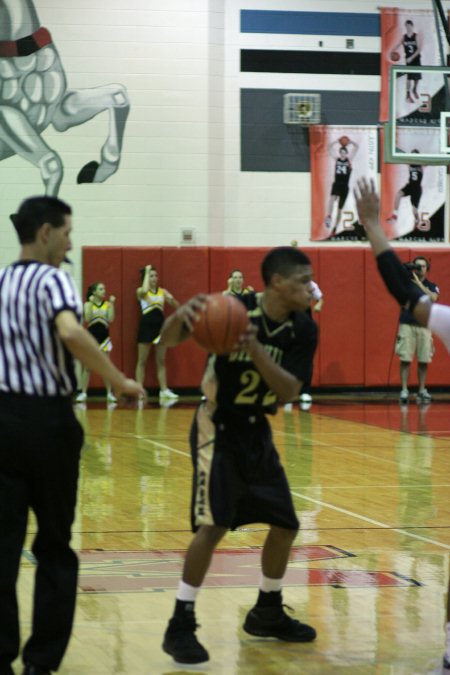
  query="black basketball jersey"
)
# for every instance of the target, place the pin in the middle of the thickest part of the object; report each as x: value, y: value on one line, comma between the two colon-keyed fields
x: 233, y: 382
x: 410, y: 45
x: 342, y: 171
x: 415, y: 174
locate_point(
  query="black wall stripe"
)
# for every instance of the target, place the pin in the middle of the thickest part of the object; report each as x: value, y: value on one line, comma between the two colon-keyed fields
x: 337, y: 63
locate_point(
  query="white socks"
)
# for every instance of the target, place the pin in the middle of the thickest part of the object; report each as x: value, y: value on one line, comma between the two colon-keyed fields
x: 268, y: 585
x: 186, y: 592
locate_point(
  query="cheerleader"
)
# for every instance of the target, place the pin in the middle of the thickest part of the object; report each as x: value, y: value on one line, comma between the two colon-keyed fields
x: 151, y: 298
x: 235, y: 287
x: 98, y: 315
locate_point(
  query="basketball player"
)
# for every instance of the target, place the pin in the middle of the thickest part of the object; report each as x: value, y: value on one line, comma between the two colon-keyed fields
x: 434, y: 316
x: 342, y: 170
x: 238, y: 477
x: 236, y: 288
x: 412, y: 45
x: 41, y: 439
x: 151, y: 298
x: 98, y: 314
x: 412, y: 189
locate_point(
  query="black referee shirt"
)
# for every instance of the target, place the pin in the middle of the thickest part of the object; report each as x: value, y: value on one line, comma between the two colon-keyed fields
x: 33, y: 358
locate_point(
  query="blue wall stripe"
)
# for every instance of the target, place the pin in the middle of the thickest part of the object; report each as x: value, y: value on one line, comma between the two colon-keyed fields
x: 349, y: 24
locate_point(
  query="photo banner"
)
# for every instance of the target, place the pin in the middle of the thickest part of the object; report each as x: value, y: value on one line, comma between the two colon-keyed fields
x: 409, y: 38
x: 413, y: 196
x: 339, y: 156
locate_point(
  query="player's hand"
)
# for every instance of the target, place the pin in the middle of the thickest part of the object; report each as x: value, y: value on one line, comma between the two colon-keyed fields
x: 91, y: 298
x: 251, y: 289
x: 148, y: 268
x: 112, y: 298
x: 248, y: 340
x: 367, y: 203
x: 190, y: 311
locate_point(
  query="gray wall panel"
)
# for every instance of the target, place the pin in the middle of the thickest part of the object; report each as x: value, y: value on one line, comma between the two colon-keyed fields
x: 269, y: 145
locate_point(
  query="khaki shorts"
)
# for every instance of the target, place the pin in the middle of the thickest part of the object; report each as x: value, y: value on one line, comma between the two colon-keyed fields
x: 412, y: 339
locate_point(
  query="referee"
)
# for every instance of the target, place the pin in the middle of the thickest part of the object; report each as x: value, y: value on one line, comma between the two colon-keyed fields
x: 40, y: 438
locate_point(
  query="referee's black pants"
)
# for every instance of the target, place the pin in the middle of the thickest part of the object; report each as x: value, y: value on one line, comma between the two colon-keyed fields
x: 40, y: 443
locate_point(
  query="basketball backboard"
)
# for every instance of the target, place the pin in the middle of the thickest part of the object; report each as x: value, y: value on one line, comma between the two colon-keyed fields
x: 418, y: 131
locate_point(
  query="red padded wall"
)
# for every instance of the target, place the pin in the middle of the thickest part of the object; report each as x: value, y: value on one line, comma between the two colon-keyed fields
x: 342, y: 348
x: 358, y: 323
x: 187, y: 273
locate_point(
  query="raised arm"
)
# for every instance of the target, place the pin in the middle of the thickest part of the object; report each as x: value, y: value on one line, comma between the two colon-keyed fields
x: 394, y: 275
x: 142, y: 291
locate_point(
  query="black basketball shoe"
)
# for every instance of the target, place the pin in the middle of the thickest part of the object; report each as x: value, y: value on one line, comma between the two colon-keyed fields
x: 181, y: 642
x: 274, y: 622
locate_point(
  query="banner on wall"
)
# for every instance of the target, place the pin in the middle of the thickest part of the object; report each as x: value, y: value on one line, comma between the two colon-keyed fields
x: 339, y: 156
x: 413, y: 196
x: 409, y: 38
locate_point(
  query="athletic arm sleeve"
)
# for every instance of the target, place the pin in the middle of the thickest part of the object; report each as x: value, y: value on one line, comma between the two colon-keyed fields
x: 397, y: 280
x: 439, y: 322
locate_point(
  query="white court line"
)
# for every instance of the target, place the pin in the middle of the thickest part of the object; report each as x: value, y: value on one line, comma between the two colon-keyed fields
x: 319, y: 502
x: 372, y: 521
x: 160, y: 445
x: 364, y: 487
x: 339, y: 447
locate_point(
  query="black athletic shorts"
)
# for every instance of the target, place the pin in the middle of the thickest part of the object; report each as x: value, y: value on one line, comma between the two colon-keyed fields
x: 238, y: 478
x: 340, y: 190
x: 414, y: 191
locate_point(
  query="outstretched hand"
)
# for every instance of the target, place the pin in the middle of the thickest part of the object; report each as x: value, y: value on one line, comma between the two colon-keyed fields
x: 367, y: 203
x: 368, y: 206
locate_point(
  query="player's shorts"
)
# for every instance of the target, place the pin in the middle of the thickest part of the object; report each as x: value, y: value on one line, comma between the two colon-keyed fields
x: 415, y: 77
x: 238, y: 478
x: 150, y: 327
x: 340, y: 190
x: 414, y: 192
x: 412, y: 339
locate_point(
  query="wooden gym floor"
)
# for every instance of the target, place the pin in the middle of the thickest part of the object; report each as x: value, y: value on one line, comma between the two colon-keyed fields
x: 369, y: 570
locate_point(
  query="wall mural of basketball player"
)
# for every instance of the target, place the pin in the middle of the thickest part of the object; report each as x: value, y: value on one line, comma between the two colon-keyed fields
x: 412, y: 45
x: 343, y: 155
x: 338, y: 156
x: 34, y: 94
x: 412, y: 189
x: 410, y: 39
x: 413, y: 196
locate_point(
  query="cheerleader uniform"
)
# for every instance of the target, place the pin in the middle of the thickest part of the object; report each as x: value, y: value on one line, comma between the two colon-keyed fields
x: 98, y: 326
x: 152, y: 316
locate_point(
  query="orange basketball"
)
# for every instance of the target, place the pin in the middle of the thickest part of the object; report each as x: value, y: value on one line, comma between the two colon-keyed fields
x: 221, y: 323
x: 344, y: 140
x: 395, y: 56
